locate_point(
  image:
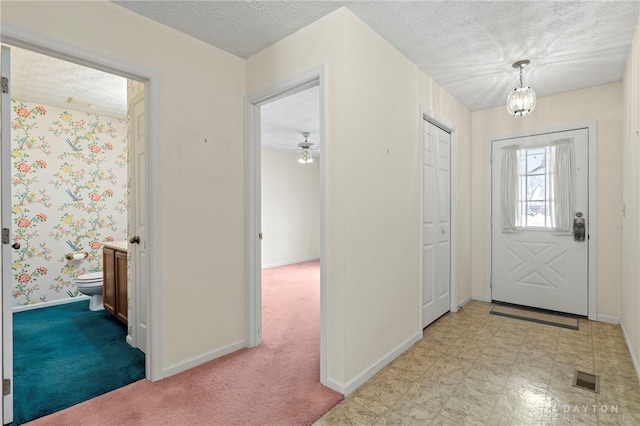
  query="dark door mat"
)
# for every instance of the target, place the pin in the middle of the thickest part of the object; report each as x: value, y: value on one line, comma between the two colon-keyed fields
x: 536, y: 315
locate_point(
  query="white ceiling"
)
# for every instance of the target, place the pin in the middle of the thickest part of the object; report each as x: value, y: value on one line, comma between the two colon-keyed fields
x: 43, y: 79
x: 466, y: 46
x: 284, y: 120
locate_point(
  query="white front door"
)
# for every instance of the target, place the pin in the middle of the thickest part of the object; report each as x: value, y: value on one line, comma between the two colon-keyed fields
x: 5, y: 207
x: 138, y: 285
x: 536, y: 259
x: 435, y: 264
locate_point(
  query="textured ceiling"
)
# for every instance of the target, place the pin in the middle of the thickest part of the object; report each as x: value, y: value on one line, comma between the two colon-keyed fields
x: 43, y: 79
x: 469, y: 47
x: 283, y: 121
x: 239, y: 27
x: 466, y: 46
x: 53, y: 82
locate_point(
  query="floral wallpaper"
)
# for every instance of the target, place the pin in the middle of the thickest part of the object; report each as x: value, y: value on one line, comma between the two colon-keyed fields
x: 69, y: 186
x: 133, y: 88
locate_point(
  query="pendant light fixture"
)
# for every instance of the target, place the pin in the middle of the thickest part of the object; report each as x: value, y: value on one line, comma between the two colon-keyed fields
x: 521, y: 100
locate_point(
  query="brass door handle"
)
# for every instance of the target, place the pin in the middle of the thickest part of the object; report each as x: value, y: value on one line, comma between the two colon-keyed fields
x: 134, y: 240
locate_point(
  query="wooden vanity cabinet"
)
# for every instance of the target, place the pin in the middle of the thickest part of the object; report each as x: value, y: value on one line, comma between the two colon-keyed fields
x: 114, y: 286
x: 109, y: 280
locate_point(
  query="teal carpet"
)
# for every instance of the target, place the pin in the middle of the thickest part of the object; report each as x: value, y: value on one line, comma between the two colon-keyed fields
x: 66, y: 354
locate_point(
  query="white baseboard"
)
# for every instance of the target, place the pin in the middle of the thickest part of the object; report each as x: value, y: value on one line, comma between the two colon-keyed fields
x: 607, y: 318
x: 634, y: 358
x: 372, y: 370
x: 464, y: 301
x: 478, y: 297
x: 289, y: 262
x: 333, y: 385
x: 194, y: 362
x: 51, y: 303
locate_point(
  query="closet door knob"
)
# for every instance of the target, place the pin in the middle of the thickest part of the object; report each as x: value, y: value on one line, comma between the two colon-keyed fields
x: 134, y: 240
x: 16, y: 246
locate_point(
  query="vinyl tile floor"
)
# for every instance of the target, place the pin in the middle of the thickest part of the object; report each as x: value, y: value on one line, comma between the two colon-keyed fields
x: 473, y: 368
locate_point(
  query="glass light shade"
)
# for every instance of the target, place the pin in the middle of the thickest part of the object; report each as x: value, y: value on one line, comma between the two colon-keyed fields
x: 305, y: 157
x: 521, y: 101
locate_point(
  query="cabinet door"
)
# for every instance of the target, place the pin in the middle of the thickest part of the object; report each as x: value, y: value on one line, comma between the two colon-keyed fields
x: 109, y: 280
x: 122, y: 304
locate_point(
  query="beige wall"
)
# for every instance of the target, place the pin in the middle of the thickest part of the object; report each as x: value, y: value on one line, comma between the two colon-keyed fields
x: 373, y: 93
x: 630, y: 317
x: 373, y: 204
x: 290, y: 208
x: 202, y: 183
x: 602, y: 104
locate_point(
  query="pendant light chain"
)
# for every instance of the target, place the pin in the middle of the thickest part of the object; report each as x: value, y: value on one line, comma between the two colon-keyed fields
x: 521, y: 67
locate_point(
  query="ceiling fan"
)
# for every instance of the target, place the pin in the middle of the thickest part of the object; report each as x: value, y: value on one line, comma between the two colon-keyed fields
x: 305, y: 148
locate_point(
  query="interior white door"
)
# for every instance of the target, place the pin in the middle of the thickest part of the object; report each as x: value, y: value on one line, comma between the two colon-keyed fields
x: 435, y: 265
x: 138, y: 286
x: 536, y: 265
x: 5, y: 207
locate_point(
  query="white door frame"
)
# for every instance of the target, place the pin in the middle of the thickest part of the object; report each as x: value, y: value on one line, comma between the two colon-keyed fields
x: 252, y: 189
x: 6, y: 353
x: 20, y: 37
x: 443, y: 123
x: 592, y: 241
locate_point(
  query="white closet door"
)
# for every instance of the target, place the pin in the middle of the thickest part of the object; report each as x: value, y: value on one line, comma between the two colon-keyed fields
x: 436, y: 222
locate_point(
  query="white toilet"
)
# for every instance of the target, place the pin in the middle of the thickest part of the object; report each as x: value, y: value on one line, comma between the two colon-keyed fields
x: 91, y: 285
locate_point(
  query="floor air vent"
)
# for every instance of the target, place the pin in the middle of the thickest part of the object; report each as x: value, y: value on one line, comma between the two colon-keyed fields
x: 587, y: 381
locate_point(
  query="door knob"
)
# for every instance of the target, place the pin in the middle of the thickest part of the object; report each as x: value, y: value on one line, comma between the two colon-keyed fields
x: 134, y: 240
x: 16, y: 246
x: 578, y: 227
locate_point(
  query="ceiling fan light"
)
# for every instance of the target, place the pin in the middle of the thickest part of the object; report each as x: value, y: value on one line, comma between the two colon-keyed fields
x: 305, y: 157
x: 305, y: 154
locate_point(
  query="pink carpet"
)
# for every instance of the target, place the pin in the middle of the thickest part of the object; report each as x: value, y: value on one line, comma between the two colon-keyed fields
x: 276, y: 383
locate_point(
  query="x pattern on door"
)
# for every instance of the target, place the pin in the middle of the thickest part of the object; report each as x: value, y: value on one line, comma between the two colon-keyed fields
x: 537, y: 264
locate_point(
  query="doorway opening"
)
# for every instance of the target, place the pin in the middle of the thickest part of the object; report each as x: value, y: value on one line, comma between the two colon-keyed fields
x: 290, y: 215
x: 70, y: 188
x: 78, y: 55
x: 304, y: 85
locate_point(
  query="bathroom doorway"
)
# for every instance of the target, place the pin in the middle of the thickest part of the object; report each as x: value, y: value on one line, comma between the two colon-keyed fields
x: 85, y: 199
